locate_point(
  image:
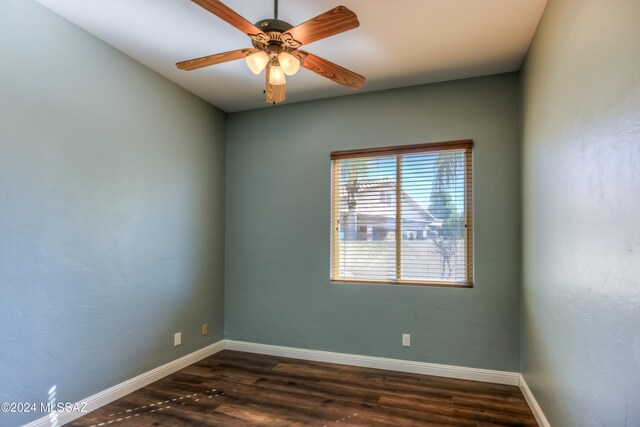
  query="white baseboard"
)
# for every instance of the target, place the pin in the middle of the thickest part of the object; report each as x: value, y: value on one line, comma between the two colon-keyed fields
x: 533, y: 403
x: 498, y: 377
x: 109, y: 395
x: 126, y: 387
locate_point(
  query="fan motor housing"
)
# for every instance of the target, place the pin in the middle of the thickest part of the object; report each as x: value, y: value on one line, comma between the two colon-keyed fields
x: 275, y: 29
x: 268, y: 25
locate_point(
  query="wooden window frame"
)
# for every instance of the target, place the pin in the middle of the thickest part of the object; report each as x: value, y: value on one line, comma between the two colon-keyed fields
x: 466, y: 145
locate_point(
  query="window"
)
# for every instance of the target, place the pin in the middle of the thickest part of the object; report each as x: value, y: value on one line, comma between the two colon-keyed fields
x: 402, y: 215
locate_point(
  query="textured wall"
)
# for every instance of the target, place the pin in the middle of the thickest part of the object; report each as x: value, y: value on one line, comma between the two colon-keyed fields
x: 581, y: 184
x: 278, y: 222
x: 111, y: 213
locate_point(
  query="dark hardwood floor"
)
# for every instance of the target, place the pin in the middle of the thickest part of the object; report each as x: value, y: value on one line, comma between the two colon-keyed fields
x: 233, y: 388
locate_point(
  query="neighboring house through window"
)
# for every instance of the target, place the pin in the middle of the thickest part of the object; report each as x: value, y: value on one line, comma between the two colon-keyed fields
x: 403, y: 215
x: 385, y: 197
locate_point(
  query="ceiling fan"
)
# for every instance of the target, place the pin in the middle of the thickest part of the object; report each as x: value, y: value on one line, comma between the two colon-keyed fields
x: 275, y: 47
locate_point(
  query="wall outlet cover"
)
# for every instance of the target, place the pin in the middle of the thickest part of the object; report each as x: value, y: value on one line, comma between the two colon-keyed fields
x: 406, y: 340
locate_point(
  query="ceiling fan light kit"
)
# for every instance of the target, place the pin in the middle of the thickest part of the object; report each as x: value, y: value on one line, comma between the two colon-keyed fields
x: 290, y: 65
x: 257, y: 61
x: 276, y: 74
x: 276, y: 46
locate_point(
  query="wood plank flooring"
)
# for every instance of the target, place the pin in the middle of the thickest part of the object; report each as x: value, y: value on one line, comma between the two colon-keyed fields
x: 233, y: 388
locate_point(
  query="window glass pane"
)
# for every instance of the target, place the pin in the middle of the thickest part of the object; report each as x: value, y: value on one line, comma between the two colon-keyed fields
x: 367, y: 223
x: 433, y: 216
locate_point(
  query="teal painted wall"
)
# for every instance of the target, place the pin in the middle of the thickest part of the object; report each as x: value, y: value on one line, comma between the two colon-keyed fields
x: 111, y: 213
x: 581, y: 205
x: 278, y: 217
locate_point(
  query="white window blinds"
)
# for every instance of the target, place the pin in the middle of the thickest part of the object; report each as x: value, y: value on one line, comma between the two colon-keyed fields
x: 403, y: 215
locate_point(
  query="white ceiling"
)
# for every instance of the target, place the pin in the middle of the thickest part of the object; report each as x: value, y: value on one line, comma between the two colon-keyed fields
x: 399, y: 43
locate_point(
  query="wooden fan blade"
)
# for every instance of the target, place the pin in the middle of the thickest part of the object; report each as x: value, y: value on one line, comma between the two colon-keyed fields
x: 273, y: 93
x: 332, y: 71
x: 228, y: 15
x: 205, y: 61
x: 330, y: 23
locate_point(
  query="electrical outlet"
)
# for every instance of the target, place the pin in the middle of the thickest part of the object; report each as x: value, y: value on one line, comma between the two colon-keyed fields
x: 177, y: 339
x: 205, y: 329
x: 406, y: 340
